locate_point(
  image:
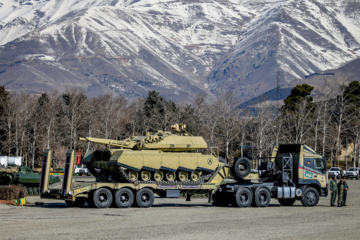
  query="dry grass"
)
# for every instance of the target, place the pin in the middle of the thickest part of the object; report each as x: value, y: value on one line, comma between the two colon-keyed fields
x: 12, y: 192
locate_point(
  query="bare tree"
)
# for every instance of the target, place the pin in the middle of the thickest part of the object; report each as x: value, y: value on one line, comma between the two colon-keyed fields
x: 264, y: 115
x: 72, y: 115
x: 343, y: 113
x: 229, y: 120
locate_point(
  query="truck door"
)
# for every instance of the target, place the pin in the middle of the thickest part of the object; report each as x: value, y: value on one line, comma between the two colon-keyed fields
x: 314, y: 170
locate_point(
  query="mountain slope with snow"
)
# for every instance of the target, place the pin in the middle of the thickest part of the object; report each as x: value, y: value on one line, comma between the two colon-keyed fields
x: 296, y: 37
x: 178, y: 48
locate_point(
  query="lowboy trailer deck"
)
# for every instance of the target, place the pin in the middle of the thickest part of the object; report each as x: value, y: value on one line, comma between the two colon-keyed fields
x: 294, y: 172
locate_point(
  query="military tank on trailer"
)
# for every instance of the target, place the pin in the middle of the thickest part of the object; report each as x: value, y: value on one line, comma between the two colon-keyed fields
x: 160, y: 156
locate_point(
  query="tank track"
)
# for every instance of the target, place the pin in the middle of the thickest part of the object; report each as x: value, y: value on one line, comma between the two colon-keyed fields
x: 124, y: 177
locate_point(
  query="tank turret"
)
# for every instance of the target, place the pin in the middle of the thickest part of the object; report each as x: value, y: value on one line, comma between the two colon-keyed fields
x: 157, y: 156
x: 159, y: 140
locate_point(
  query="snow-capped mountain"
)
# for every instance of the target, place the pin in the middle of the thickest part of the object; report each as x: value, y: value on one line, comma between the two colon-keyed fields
x: 298, y: 38
x: 178, y: 48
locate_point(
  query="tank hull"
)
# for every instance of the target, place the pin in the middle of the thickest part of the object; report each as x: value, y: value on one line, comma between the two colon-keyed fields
x: 124, y: 161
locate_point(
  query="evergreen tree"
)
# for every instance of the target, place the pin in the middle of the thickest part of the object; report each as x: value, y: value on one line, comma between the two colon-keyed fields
x: 298, y: 94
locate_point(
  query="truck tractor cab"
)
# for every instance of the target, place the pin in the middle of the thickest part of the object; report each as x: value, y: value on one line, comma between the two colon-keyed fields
x: 301, y: 166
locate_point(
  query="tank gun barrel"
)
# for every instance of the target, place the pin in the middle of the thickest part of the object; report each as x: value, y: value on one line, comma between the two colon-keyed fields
x: 127, y: 143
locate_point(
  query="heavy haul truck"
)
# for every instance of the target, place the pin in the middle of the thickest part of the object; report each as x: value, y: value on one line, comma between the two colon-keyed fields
x: 129, y: 173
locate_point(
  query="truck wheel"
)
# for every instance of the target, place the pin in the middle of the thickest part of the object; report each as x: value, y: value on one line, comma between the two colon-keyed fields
x: 242, y: 198
x: 145, y: 198
x: 102, y: 198
x: 242, y: 167
x: 262, y: 197
x: 286, y: 202
x: 124, y: 198
x: 310, y: 197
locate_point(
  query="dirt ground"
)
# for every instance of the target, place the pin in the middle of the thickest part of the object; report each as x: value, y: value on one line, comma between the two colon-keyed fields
x: 178, y: 219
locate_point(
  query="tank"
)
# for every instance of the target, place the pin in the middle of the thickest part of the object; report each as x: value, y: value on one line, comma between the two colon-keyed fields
x: 14, y: 175
x: 160, y: 156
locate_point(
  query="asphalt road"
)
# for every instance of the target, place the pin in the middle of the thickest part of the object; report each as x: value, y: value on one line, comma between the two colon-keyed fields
x: 178, y: 219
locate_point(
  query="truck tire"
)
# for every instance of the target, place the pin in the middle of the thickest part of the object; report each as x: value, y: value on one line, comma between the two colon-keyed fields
x: 242, y: 167
x: 286, y: 202
x: 310, y: 197
x: 102, y: 198
x: 262, y: 197
x: 144, y: 198
x: 242, y: 198
x: 124, y: 198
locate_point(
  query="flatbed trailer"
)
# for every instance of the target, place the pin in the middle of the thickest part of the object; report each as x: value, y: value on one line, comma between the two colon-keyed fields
x: 305, y: 180
x: 103, y: 194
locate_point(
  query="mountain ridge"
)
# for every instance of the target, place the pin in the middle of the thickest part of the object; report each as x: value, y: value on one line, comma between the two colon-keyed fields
x: 177, y: 48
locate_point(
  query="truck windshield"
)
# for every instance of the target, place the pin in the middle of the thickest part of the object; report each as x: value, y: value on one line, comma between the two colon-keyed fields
x: 319, y: 164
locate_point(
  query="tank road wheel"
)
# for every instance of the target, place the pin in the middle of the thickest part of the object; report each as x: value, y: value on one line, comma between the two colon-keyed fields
x: 102, y: 198
x: 158, y: 176
x: 310, y: 197
x: 183, y: 176
x: 195, y: 176
x: 145, y: 175
x: 242, y: 167
x: 133, y: 175
x: 124, y: 198
x: 242, y: 198
x: 262, y: 197
x: 170, y: 176
x: 286, y: 202
x: 144, y: 198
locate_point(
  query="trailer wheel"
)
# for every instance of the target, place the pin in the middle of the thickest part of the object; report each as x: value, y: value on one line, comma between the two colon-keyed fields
x: 144, y: 198
x: 262, y: 197
x: 102, y: 198
x: 310, y: 197
x: 286, y: 202
x: 242, y: 167
x: 242, y: 198
x: 124, y: 198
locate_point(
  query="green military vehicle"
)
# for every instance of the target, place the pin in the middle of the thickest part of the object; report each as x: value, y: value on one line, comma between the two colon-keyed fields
x: 14, y: 175
x: 129, y: 173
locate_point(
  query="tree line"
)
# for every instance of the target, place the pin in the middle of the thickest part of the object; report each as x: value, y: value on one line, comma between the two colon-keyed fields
x: 328, y: 122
